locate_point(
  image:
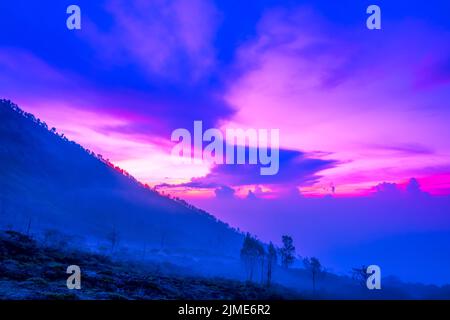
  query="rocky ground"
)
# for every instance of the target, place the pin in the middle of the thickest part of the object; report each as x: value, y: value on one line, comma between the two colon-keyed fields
x: 31, y: 270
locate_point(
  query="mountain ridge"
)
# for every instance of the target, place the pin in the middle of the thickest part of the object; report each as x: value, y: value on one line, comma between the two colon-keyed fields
x: 43, y: 174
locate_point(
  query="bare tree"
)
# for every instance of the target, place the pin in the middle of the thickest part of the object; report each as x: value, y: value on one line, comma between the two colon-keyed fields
x: 261, y: 259
x: 251, y: 253
x: 271, y: 262
x: 315, y: 268
x: 287, y: 251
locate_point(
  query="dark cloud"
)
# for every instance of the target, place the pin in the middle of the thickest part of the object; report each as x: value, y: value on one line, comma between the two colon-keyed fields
x: 295, y: 169
x: 394, y: 191
x: 224, y: 192
x: 152, y: 63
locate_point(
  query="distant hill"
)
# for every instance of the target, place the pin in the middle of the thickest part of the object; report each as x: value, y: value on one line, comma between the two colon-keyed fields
x: 49, y: 182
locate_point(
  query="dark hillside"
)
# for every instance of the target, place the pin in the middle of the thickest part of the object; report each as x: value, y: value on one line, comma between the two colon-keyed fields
x: 30, y: 270
x: 47, y: 181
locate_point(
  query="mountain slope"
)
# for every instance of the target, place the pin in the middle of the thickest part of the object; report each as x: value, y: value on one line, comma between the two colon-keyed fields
x: 47, y: 182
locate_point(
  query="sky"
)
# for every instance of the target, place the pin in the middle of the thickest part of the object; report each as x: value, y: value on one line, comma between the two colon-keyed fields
x: 355, y: 107
x: 360, y: 112
x: 358, y: 107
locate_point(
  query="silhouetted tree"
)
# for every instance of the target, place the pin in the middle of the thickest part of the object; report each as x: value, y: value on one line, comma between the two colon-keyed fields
x: 287, y: 251
x: 360, y: 275
x: 315, y: 268
x: 262, y: 261
x: 251, y: 253
x: 271, y: 262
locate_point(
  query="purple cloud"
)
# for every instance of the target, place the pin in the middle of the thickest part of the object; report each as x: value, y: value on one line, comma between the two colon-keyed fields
x: 224, y: 192
x: 296, y: 169
x: 170, y: 39
x: 434, y: 71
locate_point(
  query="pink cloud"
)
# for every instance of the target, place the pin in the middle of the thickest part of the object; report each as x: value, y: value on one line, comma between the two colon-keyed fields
x: 336, y: 90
